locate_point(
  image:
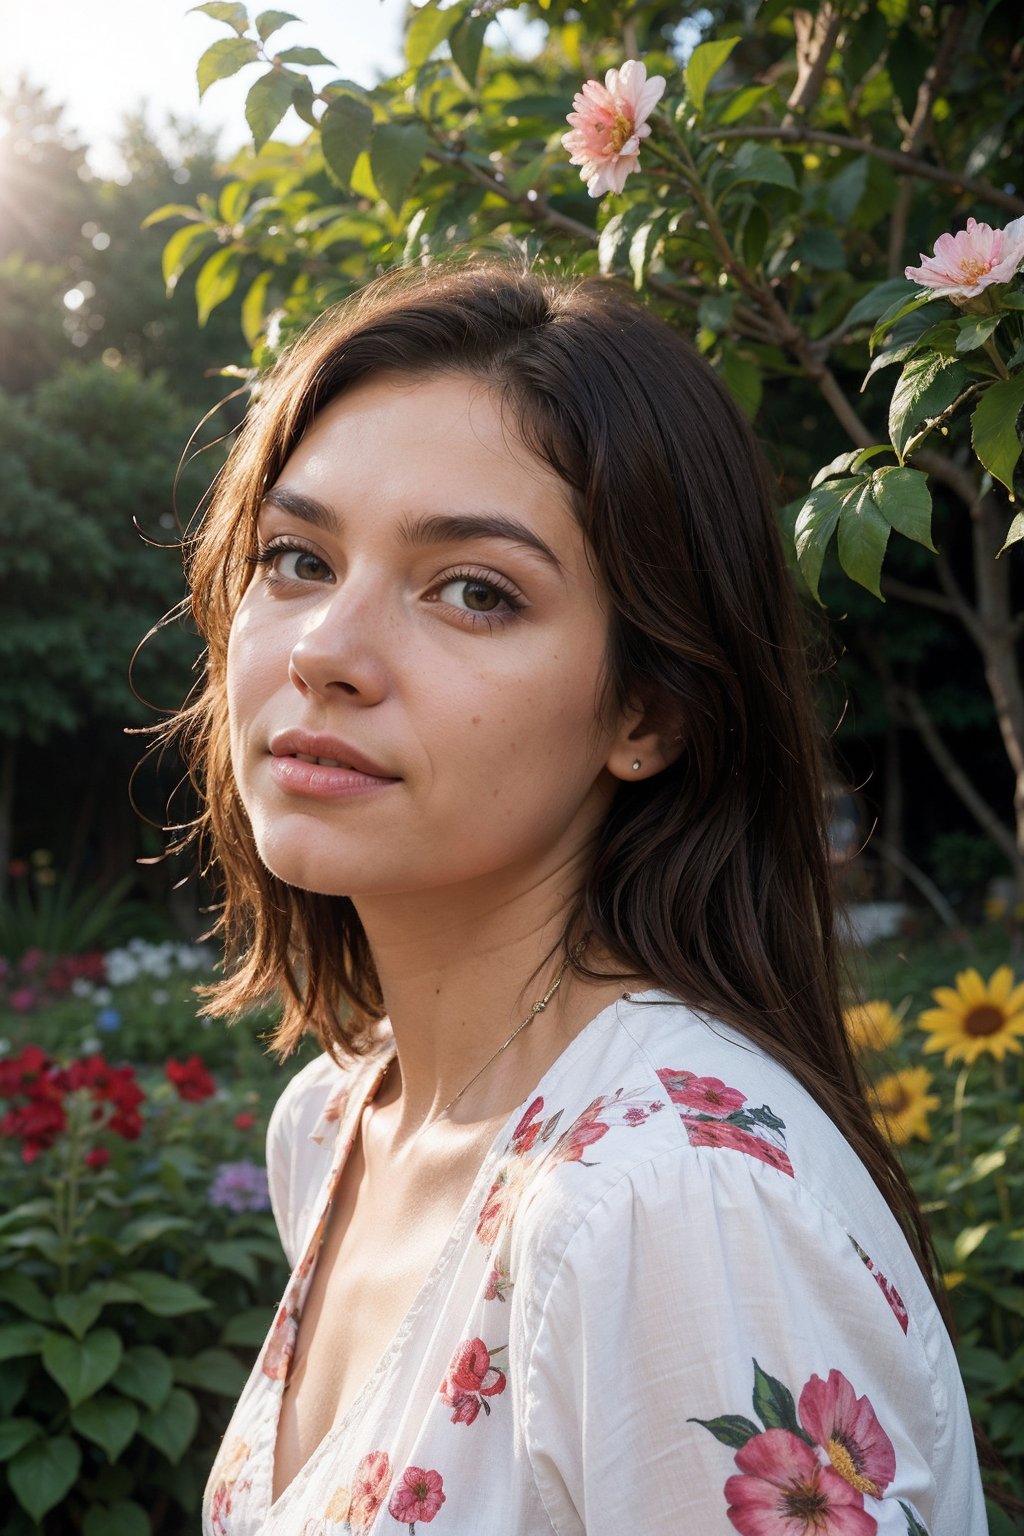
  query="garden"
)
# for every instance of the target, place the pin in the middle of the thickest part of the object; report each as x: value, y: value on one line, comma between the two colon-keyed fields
x: 824, y: 199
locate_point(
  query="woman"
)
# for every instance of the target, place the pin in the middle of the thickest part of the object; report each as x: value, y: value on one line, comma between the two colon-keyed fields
x: 511, y: 771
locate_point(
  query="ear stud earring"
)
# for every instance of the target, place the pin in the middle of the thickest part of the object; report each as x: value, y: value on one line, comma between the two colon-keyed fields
x: 636, y: 765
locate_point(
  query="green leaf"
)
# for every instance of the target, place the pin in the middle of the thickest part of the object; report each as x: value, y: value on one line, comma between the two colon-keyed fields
x: 109, y: 1421
x: 233, y: 201
x: 122, y: 1518
x: 345, y: 130
x: 307, y: 56
x: 731, y: 1429
x: 147, y: 1229
x: 236, y: 1256
x: 885, y: 296
x: 145, y: 1374
x: 302, y: 101
x: 225, y: 10
x: 816, y: 522
x: 821, y: 249
x: 248, y: 1328
x: 742, y: 379
x: 215, y: 283
x: 163, y: 1296
x: 756, y: 162
x: 740, y: 104
x: 172, y: 1428
x: 1014, y: 533
x: 224, y: 58
x: 927, y: 386
x: 81, y: 1366
x: 466, y: 42
x: 42, y: 1473
x: 773, y: 1403
x: 914, y: 1526
x: 267, y: 102
x: 975, y: 330
x: 861, y: 542
x: 904, y: 500
x: 896, y: 311
x: 25, y: 1294
x: 426, y: 30
x: 846, y: 189
x: 253, y: 308
x: 994, y: 428
x: 703, y: 65
x: 78, y: 1313
x: 642, y: 245
x: 212, y: 1370
x: 171, y: 211
x: 395, y: 157
x: 269, y: 22
x: 21, y: 1339
x: 15, y: 1433
x: 183, y: 248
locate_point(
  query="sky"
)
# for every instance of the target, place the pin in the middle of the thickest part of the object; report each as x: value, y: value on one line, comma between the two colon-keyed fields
x: 103, y: 58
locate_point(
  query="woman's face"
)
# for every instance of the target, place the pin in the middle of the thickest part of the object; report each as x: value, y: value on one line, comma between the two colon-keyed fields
x: 415, y: 667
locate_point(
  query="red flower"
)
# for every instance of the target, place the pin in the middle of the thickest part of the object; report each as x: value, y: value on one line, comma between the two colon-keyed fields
x: 469, y: 1379
x: 111, y: 1085
x: 244, y: 1121
x: 715, y: 1133
x: 17, y: 1074
x: 191, y: 1079
x: 99, y: 1157
x: 847, y: 1430
x: 38, y: 1123
x: 709, y: 1096
x: 584, y: 1131
x: 418, y: 1495
x: 370, y: 1483
x: 22, y: 1000
x: 281, y: 1345
x: 785, y: 1491
x: 528, y: 1129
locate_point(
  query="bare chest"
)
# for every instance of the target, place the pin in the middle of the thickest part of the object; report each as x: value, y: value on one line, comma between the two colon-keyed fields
x: 381, y: 1243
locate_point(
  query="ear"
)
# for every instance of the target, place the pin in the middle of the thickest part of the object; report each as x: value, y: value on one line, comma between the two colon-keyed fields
x: 646, y: 742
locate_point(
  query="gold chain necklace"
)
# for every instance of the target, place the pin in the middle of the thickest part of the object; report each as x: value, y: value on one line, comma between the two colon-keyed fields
x: 538, y: 1007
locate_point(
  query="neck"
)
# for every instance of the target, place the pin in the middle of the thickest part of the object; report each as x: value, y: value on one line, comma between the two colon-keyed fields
x: 457, y: 977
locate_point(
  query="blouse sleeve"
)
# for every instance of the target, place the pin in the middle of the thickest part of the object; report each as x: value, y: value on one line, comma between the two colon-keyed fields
x: 711, y: 1354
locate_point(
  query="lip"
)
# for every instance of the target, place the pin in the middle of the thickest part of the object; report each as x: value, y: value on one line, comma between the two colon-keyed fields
x: 299, y: 744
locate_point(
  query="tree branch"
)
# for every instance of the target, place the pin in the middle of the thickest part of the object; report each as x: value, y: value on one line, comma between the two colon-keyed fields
x: 956, y: 778
x: 816, y: 34
x: 909, y: 165
x: 921, y: 597
x: 934, y: 77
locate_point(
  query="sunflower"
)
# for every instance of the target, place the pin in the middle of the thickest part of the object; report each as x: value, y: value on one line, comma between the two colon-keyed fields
x: 977, y: 1017
x: 871, y: 1026
x: 902, y: 1105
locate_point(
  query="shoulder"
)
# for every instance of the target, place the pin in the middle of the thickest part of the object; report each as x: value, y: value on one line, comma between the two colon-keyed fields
x: 671, y: 1127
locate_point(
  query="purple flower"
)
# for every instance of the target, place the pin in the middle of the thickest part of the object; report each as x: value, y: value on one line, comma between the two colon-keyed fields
x: 240, y: 1186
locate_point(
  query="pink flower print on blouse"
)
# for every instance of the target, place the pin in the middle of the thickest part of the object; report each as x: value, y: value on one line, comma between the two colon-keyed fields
x: 231, y: 1463
x: 584, y: 1131
x: 715, y: 1115
x: 418, y: 1495
x: 370, y: 1483
x: 499, y: 1281
x: 502, y: 1198
x: 712, y: 1133
x: 846, y: 1428
x: 281, y: 1345
x: 705, y: 1095
x: 782, y: 1489
x: 528, y: 1129
x: 471, y: 1379
x: 807, y: 1475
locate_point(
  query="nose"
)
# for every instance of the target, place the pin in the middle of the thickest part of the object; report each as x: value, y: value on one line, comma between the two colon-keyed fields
x: 341, y: 652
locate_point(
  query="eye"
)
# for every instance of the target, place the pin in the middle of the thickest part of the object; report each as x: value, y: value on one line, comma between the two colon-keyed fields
x: 291, y: 562
x: 478, y: 598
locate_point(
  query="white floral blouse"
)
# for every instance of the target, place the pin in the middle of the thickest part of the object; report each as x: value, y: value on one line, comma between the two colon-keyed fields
x: 673, y: 1304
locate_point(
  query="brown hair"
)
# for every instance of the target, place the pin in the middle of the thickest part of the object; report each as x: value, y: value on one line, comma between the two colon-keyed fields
x: 712, y: 877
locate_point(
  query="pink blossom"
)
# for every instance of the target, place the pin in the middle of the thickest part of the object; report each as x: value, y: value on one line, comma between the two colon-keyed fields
x: 847, y: 1430
x: 370, y: 1482
x: 528, y: 1129
x: 469, y: 1379
x: 608, y: 122
x: 418, y: 1495
x: 783, y: 1490
x: 966, y: 263
x: 22, y: 1000
x: 584, y: 1131
x: 708, y: 1095
x: 280, y: 1346
x: 502, y: 1199
x: 715, y: 1133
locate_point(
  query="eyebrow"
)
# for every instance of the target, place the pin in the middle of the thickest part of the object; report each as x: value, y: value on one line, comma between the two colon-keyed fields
x: 439, y: 528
